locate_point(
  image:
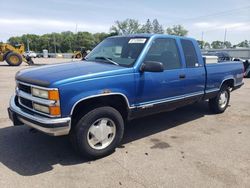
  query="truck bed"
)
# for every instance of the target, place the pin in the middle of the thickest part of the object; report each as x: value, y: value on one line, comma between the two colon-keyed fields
x: 217, y: 72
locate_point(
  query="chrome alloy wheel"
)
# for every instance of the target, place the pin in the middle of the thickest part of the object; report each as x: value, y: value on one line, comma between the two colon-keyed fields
x: 101, y: 133
x: 223, y: 99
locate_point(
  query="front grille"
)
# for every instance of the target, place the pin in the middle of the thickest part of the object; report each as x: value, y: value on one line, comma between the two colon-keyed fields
x: 24, y: 88
x: 26, y: 99
x: 26, y: 102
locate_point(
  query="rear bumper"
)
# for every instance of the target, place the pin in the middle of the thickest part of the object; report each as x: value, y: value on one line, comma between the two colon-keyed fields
x: 51, y: 126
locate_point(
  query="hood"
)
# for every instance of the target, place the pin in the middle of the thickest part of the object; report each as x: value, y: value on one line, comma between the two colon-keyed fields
x: 49, y: 75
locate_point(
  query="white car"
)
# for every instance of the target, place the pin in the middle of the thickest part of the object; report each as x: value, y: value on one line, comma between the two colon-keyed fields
x: 30, y: 54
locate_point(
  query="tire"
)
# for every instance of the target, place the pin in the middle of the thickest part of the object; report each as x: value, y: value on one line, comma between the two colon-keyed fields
x: 5, y: 55
x: 220, y: 103
x: 89, y: 141
x: 78, y: 56
x: 14, y: 59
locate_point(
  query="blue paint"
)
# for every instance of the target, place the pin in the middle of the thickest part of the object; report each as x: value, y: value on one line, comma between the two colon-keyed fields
x: 79, y: 80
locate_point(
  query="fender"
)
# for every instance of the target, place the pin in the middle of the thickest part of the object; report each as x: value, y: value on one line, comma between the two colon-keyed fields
x: 226, y: 79
x: 101, y: 95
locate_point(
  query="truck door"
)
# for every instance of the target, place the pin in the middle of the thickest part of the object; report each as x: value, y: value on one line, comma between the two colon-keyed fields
x: 195, y: 75
x: 160, y: 87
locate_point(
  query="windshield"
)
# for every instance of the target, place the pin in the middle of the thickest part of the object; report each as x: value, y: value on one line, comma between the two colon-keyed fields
x: 121, y: 51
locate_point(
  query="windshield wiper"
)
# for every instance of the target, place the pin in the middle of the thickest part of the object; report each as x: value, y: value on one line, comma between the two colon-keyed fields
x: 107, y: 59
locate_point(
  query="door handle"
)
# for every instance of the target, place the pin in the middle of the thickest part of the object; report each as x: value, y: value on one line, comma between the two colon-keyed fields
x: 182, y: 76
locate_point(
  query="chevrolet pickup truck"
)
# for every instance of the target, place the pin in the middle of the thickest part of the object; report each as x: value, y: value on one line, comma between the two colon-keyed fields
x: 124, y: 77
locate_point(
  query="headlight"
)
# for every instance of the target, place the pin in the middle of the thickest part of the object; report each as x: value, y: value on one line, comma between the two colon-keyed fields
x: 45, y: 94
x: 41, y: 108
x: 40, y: 93
x: 51, y: 110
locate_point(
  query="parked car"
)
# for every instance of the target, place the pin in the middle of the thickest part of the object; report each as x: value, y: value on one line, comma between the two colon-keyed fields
x: 246, y: 64
x: 123, y: 78
x: 39, y: 55
x: 30, y: 54
x: 247, y: 68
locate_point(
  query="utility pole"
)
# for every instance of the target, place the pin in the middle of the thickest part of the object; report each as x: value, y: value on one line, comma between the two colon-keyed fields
x: 28, y: 45
x: 202, y: 35
x: 48, y: 45
x: 225, y: 37
x: 54, y: 43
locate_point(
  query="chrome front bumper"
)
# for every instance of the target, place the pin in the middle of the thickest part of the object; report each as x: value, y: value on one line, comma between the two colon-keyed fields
x: 51, y: 126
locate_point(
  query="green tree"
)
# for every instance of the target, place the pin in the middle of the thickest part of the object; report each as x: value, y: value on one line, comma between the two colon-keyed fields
x: 201, y: 44
x: 147, y: 27
x: 84, y: 39
x: 33, y: 41
x: 227, y: 44
x: 244, y: 44
x: 56, y: 41
x: 100, y: 37
x: 157, y: 28
x: 44, y: 43
x: 177, y: 30
x: 207, y: 45
x: 217, y: 44
x: 128, y: 26
x: 15, y: 40
x: 67, y: 41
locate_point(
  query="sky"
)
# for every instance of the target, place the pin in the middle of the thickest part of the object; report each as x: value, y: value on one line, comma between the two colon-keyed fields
x: 210, y: 17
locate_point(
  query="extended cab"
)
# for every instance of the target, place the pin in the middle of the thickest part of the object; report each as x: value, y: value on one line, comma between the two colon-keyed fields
x: 123, y: 78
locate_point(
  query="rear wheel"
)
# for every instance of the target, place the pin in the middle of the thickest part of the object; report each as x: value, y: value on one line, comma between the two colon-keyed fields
x: 14, y: 59
x: 220, y: 103
x: 98, y: 132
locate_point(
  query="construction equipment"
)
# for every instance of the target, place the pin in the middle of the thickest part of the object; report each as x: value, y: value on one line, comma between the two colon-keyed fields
x: 80, y: 53
x: 13, y: 55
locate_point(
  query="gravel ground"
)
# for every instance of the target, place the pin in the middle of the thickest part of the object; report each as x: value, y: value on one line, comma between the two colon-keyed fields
x: 188, y: 147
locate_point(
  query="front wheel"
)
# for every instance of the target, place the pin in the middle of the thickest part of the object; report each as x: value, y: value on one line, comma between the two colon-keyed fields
x: 14, y: 59
x: 98, y: 132
x: 220, y: 103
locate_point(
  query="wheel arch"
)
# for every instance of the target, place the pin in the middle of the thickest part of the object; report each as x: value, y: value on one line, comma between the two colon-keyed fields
x: 228, y: 81
x: 116, y: 100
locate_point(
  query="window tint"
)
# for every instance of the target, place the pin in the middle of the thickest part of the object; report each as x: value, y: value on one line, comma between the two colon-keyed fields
x: 166, y: 52
x: 189, y: 53
x: 122, y: 50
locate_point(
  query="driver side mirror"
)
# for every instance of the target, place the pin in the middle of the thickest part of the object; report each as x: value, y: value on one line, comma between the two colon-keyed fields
x: 152, y: 66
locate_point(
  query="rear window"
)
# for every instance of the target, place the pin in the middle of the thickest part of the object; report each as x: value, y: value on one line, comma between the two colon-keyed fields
x: 189, y: 53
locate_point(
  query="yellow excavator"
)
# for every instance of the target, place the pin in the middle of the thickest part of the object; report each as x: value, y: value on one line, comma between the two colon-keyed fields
x: 13, y: 55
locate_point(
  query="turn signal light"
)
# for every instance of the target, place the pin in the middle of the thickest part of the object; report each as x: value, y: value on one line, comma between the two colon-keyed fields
x: 53, y: 95
x: 55, y: 110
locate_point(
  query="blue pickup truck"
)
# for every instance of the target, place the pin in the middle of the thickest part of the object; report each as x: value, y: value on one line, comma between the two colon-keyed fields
x: 124, y: 77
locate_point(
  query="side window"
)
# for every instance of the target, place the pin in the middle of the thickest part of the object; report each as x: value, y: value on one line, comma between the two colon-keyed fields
x: 189, y: 53
x: 164, y: 50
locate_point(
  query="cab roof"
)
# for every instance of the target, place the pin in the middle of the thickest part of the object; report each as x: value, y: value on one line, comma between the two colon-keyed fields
x: 147, y: 35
